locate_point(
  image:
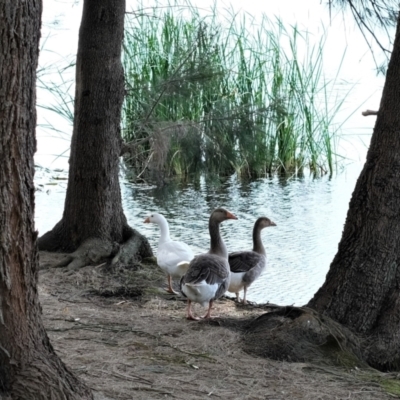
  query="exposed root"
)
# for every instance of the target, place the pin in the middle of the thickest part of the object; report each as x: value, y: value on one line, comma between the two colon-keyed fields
x: 301, y: 334
x: 96, y: 251
x: 46, y: 377
x: 91, y: 252
x: 134, y: 249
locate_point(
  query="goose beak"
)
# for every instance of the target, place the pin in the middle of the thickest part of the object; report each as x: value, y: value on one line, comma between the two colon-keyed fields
x: 231, y: 216
x: 147, y: 220
x: 273, y: 223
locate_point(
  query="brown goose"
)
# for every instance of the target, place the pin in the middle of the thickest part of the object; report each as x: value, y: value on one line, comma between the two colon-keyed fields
x: 207, y: 278
x: 246, y: 266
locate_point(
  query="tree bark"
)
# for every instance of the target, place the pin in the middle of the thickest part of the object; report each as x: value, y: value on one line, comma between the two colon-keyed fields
x: 93, y: 206
x: 361, y: 289
x: 29, y: 367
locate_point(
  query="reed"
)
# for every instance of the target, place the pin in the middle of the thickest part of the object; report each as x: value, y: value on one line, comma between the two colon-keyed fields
x: 224, y: 95
x: 55, y: 91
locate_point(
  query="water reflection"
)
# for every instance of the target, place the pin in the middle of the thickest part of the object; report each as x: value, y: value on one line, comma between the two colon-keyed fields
x: 309, y: 214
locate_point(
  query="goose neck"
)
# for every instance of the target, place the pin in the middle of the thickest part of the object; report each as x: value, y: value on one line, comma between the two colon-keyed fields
x: 164, y: 229
x: 217, y: 244
x: 258, y: 246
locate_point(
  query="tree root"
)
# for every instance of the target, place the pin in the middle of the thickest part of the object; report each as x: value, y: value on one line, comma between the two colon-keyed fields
x: 381, y: 350
x: 96, y: 251
x: 300, y: 334
x: 135, y: 248
x: 46, y: 377
x: 91, y: 252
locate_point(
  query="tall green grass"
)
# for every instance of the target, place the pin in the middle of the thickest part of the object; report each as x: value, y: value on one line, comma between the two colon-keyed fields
x: 221, y: 94
x: 55, y: 86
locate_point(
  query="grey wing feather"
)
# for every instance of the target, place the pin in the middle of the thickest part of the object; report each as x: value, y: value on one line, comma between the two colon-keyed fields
x: 243, y: 261
x: 208, y: 267
x: 222, y: 289
x: 250, y: 262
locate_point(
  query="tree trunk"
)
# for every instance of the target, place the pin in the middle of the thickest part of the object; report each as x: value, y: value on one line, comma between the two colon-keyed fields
x: 93, y: 207
x: 361, y: 289
x: 29, y: 368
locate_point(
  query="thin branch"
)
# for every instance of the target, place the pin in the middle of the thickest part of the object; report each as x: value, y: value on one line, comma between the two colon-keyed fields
x: 362, y: 21
x: 369, y: 112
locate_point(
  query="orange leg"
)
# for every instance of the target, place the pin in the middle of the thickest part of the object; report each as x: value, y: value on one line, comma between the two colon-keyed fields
x: 189, y: 314
x: 170, y: 288
x: 208, y: 315
x: 244, y: 296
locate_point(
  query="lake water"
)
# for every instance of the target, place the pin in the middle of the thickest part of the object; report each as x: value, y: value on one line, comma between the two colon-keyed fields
x: 309, y: 213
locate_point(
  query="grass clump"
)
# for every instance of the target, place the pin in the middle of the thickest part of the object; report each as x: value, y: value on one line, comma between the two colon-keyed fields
x: 234, y: 96
x: 391, y: 386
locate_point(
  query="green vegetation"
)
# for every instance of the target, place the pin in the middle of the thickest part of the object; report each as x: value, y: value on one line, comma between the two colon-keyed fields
x: 225, y: 96
x: 391, y: 386
x: 221, y: 96
x: 57, y: 85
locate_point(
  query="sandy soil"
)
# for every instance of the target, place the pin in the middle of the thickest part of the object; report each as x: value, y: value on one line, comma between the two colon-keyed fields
x: 127, y: 339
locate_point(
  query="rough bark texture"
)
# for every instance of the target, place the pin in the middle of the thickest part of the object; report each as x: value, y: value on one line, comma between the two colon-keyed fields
x: 361, y: 289
x: 93, y: 207
x: 29, y: 368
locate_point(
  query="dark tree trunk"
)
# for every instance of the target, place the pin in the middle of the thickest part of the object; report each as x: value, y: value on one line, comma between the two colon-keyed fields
x: 93, y: 207
x: 362, y: 288
x: 29, y: 368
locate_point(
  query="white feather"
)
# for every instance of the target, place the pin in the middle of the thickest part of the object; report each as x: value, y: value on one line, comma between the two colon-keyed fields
x: 170, y: 252
x: 236, y: 284
x: 200, y: 292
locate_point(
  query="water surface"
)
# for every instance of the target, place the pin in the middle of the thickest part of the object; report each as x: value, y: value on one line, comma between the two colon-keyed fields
x: 309, y: 213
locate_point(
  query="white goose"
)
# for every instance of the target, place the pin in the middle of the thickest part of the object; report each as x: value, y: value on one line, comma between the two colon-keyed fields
x: 208, y: 275
x: 170, y: 252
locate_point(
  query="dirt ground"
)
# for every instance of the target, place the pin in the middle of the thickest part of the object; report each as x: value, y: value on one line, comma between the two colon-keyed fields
x: 128, y: 339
